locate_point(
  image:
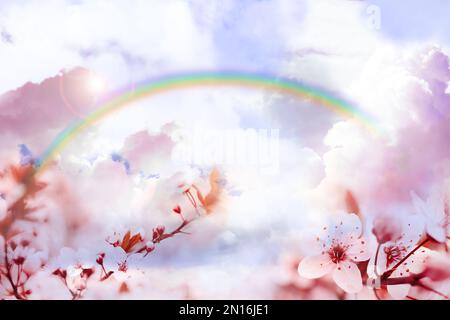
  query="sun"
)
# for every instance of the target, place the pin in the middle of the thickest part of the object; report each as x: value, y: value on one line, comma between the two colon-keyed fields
x: 96, y: 84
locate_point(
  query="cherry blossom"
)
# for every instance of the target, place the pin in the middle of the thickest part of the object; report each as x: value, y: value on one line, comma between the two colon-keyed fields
x: 75, y: 279
x: 385, y: 230
x: 129, y: 243
x: 436, y: 282
x: 19, y: 262
x: 124, y: 246
x: 340, y: 247
x: 336, y: 269
x: 292, y: 287
x: 390, y: 258
x: 436, y: 213
x: 32, y: 258
x: 438, y: 267
x: 73, y: 268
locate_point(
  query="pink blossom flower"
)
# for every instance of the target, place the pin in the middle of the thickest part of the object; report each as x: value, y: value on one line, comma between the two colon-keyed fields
x: 391, y: 253
x: 18, y: 263
x: 130, y: 243
x: 438, y: 267
x: 75, y: 278
x: 436, y: 214
x: 123, y: 248
x: 340, y: 247
x: 74, y: 268
x: 158, y: 234
x: 386, y: 230
x: 31, y: 259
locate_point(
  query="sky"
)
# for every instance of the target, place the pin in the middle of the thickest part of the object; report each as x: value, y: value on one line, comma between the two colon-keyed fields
x: 158, y: 38
x: 59, y: 59
x: 226, y: 34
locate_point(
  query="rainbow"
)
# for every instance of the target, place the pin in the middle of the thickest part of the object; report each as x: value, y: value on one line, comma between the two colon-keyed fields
x: 123, y: 98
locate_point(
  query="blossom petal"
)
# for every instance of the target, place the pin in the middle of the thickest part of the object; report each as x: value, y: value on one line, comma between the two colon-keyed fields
x: 348, y: 277
x: 436, y: 231
x: 399, y: 291
x: 380, y: 265
x: 347, y: 224
x: 413, y: 230
x: 359, y: 250
x: 414, y: 265
x: 418, y: 203
x: 315, y: 266
x: 34, y: 262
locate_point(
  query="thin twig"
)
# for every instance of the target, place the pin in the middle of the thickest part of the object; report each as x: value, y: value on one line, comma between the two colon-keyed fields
x: 9, y: 276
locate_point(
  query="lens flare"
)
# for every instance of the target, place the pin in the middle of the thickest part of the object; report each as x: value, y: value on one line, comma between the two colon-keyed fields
x: 96, y: 84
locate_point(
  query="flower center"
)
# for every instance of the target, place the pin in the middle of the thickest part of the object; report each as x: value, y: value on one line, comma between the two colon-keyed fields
x: 393, y: 254
x: 337, y: 253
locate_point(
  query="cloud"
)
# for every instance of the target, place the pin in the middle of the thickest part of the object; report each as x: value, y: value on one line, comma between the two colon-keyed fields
x: 146, y: 152
x: 34, y: 113
x: 55, y: 35
x: 328, y: 48
x: 406, y: 89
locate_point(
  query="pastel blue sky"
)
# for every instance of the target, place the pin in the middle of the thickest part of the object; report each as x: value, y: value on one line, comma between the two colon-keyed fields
x: 261, y: 35
x: 323, y: 42
x: 415, y: 20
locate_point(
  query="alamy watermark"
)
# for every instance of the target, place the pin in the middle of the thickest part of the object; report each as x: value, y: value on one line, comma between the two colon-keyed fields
x: 244, y: 148
x: 373, y: 13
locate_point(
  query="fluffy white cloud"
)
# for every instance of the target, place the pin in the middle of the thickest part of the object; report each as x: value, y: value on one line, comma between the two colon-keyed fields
x: 122, y: 41
x: 406, y: 90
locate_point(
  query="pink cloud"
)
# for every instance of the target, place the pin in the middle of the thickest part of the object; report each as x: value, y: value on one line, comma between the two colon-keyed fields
x: 409, y: 95
x: 144, y: 150
x: 34, y: 113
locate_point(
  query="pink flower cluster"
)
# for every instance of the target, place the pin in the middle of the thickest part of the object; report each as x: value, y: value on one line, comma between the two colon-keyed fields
x: 391, y: 256
x: 21, y: 257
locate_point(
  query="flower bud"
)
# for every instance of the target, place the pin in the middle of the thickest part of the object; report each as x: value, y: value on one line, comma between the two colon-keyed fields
x: 385, y: 230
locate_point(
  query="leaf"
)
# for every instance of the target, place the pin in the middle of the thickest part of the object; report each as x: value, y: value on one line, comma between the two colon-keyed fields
x: 352, y: 204
x: 134, y: 241
x: 125, y: 241
x: 124, y: 288
x: 128, y: 241
x: 210, y: 201
x: 19, y: 210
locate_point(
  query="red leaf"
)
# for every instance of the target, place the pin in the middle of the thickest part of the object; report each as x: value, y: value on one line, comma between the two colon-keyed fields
x: 351, y: 203
x: 177, y: 209
x: 124, y: 288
